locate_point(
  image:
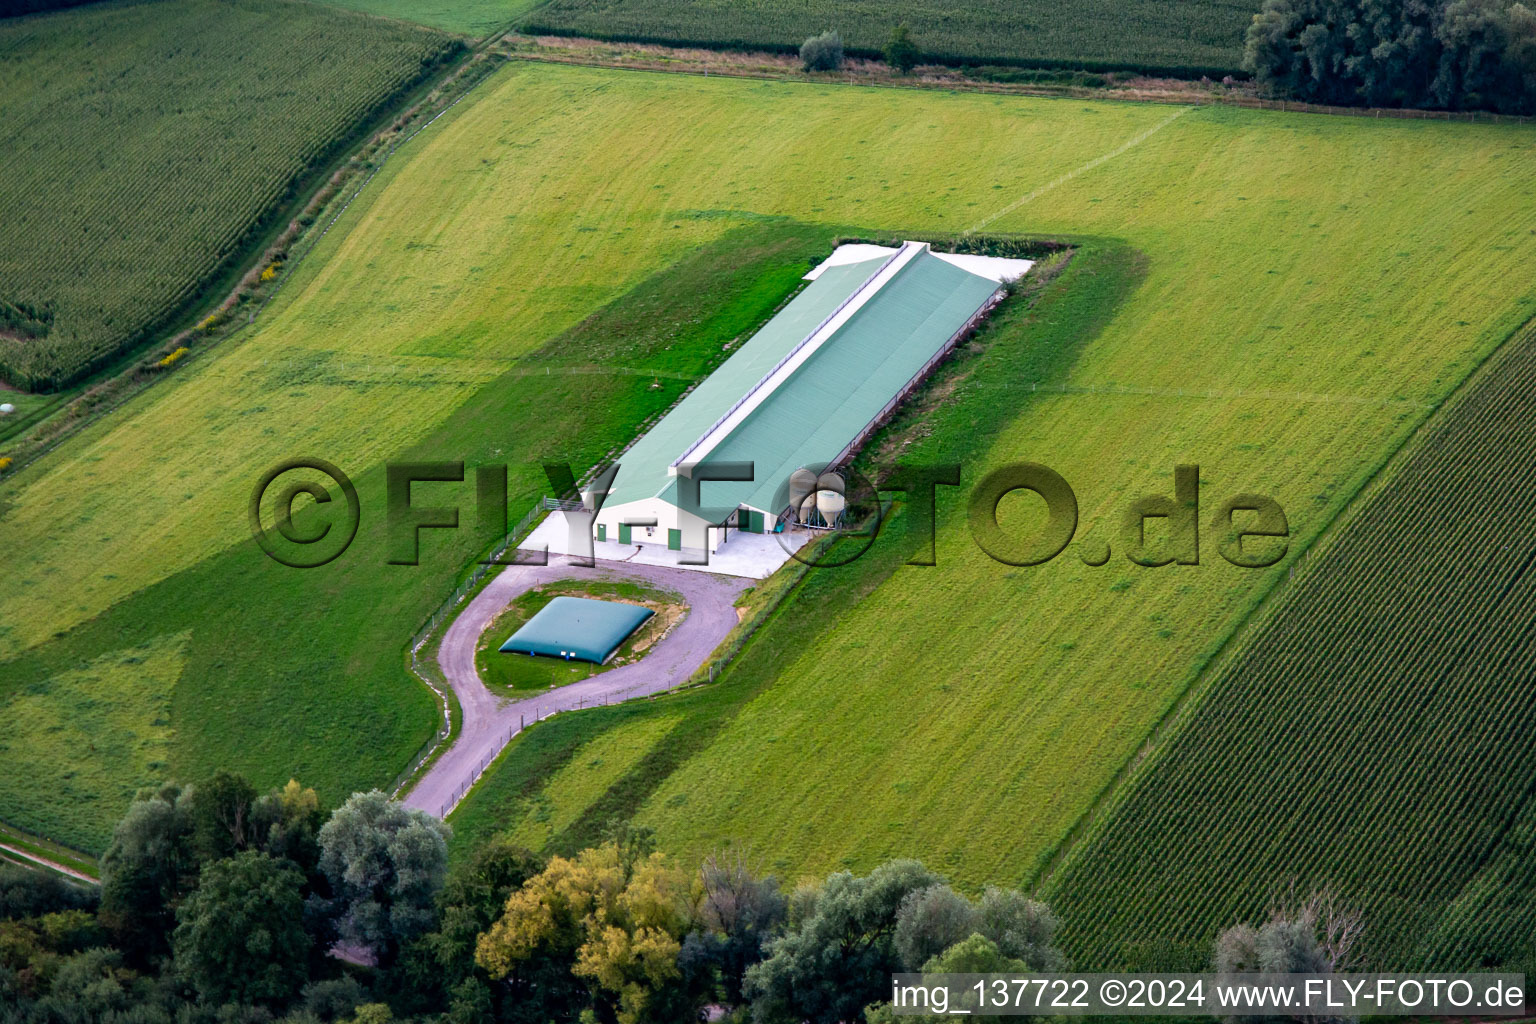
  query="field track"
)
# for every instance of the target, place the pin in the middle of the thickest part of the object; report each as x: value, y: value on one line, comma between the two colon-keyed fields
x: 491, y: 721
x: 52, y: 865
x: 765, y: 66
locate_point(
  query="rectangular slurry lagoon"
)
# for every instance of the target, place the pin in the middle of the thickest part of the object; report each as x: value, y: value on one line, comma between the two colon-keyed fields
x: 578, y: 627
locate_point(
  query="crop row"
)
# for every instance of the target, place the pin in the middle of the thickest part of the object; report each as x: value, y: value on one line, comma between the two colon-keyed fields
x: 1189, y: 37
x: 1375, y: 737
x: 143, y: 145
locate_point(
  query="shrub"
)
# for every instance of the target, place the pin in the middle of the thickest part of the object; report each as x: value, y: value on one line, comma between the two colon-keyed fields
x: 5, y: 463
x: 170, y: 359
x: 823, y: 52
x: 271, y: 271
x: 901, y: 52
x: 26, y: 893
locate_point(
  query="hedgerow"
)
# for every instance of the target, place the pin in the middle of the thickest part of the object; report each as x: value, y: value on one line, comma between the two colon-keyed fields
x: 1188, y: 38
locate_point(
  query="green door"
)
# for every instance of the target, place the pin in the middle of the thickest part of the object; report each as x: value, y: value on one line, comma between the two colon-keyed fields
x: 674, y: 540
x: 755, y: 523
x: 602, y: 531
x: 623, y: 533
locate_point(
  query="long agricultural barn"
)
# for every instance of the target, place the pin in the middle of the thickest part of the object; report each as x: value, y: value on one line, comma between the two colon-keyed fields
x: 804, y: 391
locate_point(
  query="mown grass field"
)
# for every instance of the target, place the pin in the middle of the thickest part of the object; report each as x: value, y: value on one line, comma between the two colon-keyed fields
x: 1288, y: 366
x: 1279, y: 298
x: 144, y: 146
x: 79, y: 744
x: 1190, y: 37
x: 1387, y: 699
x: 264, y: 686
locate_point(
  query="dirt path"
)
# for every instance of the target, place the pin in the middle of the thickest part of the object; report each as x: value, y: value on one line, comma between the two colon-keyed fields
x: 490, y: 721
x: 51, y: 864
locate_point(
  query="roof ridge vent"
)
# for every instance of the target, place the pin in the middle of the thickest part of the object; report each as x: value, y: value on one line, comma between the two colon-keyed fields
x: 785, y: 367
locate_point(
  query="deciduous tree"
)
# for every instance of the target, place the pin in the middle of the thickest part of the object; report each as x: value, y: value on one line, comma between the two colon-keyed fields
x: 385, y: 863
x: 840, y: 957
x: 617, y: 920
x: 901, y: 52
x: 240, y: 936
x: 1450, y: 54
x: 147, y: 870
x: 738, y: 913
x: 222, y: 823
x: 1023, y: 929
x: 930, y: 921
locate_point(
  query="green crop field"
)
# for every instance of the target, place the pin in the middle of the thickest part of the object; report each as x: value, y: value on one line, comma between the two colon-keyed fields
x: 1190, y: 37
x: 1320, y: 761
x: 465, y: 17
x: 146, y: 145
x: 1280, y: 298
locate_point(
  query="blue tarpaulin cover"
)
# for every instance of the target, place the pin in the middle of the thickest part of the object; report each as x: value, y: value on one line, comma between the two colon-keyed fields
x: 579, y: 628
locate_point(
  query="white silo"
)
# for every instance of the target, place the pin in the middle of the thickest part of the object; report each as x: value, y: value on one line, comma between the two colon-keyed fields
x: 830, y: 505
x: 806, y: 510
x: 801, y: 483
x: 831, y: 482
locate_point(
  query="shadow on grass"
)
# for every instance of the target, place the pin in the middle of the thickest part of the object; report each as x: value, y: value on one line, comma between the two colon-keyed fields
x: 1036, y: 335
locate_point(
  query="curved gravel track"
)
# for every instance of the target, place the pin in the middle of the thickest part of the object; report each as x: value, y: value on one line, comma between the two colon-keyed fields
x: 490, y: 721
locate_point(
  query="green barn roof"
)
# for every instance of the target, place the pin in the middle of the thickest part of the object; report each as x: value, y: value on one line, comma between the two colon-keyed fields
x: 814, y: 414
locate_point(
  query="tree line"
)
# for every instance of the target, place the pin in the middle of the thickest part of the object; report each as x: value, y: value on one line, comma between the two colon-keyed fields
x: 1433, y: 54
x: 222, y: 905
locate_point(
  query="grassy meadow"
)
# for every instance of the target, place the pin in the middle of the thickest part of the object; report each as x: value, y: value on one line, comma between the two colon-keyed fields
x: 1190, y: 37
x: 971, y: 713
x: 85, y: 740
x: 266, y: 687
x: 146, y: 145
x: 1279, y: 298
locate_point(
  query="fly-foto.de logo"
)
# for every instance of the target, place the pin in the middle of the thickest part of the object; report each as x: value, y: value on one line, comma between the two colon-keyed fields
x: 842, y: 509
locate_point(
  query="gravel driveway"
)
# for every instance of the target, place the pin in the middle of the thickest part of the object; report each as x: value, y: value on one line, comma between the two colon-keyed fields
x: 490, y: 721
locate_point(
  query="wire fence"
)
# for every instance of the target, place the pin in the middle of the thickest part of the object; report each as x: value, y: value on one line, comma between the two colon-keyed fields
x: 1403, y: 113
x: 710, y: 671
x: 523, y: 721
x: 469, y: 783
x: 425, y: 668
